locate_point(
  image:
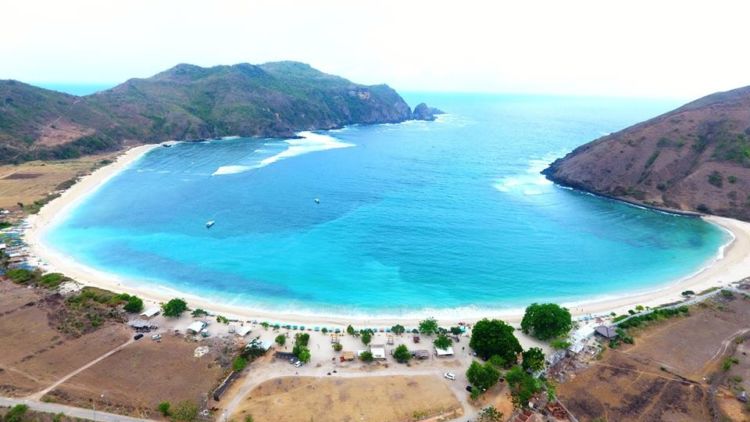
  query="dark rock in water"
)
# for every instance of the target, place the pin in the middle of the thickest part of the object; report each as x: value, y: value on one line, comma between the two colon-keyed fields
x: 424, y: 112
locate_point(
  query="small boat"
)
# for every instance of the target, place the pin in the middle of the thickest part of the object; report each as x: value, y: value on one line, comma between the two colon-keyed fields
x: 317, y: 201
x: 210, y: 224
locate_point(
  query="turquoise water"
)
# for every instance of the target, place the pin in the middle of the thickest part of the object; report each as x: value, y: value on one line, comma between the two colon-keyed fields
x: 411, y: 217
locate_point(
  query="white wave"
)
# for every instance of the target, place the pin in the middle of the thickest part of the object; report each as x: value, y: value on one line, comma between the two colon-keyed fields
x: 307, y: 143
x: 531, y: 182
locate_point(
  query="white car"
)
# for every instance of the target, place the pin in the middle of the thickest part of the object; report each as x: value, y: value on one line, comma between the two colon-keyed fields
x: 298, y: 364
x: 449, y: 376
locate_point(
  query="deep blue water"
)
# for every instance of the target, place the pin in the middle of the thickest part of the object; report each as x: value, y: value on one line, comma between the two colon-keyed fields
x: 419, y: 215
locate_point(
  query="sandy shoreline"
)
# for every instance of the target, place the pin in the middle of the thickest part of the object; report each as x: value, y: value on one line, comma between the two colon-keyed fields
x: 732, y: 265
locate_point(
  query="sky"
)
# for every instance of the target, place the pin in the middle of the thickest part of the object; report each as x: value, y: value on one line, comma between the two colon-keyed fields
x: 655, y: 48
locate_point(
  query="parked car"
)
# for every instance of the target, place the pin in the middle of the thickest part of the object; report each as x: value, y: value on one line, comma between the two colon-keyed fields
x: 449, y: 376
x: 298, y: 364
x: 138, y: 336
x: 468, y: 388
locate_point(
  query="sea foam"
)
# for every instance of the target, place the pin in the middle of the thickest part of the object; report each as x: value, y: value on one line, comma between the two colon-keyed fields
x: 307, y: 143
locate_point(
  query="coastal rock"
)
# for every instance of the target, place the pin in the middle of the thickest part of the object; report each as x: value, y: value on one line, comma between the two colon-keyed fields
x: 695, y: 158
x: 424, y: 112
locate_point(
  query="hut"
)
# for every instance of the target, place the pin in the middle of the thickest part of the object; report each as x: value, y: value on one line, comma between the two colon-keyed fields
x: 606, y: 332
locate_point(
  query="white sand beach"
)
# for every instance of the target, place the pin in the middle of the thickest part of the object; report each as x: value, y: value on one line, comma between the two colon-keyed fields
x: 731, y: 265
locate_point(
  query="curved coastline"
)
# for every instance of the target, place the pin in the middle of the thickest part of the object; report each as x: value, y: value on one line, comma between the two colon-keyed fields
x: 731, y: 263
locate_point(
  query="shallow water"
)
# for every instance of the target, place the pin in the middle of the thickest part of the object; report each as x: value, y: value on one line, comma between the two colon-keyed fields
x: 445, y: 214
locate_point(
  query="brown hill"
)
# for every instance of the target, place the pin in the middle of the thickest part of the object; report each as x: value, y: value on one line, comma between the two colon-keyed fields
x: 188, y: 102
x: 695, y: 158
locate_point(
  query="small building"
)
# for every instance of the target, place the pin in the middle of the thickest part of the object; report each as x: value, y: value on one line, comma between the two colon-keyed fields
x: 606, y: 332
x: 378, y: 351
x: 420, y: 354
x: 242, y: 331
x: 444, y: 352
x: 141, y: 326
x: 347, y: 356
x: 196, y: 327
x: 416, y: 339
x: 334, y: 338
x: 151, y: 312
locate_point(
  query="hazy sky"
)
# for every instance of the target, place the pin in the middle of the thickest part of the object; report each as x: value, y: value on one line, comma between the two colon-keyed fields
x: 600, y: 47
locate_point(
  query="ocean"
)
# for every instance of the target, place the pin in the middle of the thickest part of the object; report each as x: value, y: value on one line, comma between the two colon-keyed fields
x: 395, y: 219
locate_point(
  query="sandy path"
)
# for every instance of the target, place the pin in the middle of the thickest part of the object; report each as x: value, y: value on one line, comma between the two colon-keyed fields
x: 733, y: 265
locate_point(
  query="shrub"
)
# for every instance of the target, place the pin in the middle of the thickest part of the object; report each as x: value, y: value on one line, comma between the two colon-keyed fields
x: 497, y: 361
x: 727, y: 294
x: 398, y: 329
x: 716, y: 179
x: 560, y: 344
x: 401, y: 353
x: 337, y: 347
x: 134, y: 305
x: 366, y: 336
x: 174, y: 308
x: 490, y: 414
x: 533, y: 359
x: 280, y: 339
x: 522, y: 386
x: 19, y: 275
x: 163, y: 408
x: 198, y: 312
x: 442, y: 342
x: 51, y: 280
x: 302, y: 353
x: 350, y: 330
x: 16, y: 413
x: 688, y: 293
x: 239, y: 363
x: 222, y: 319
x: 302, y: 338
x: 185, y: 411
x: 482, y: 376
x: 366, y: 356
x: 428, y: 327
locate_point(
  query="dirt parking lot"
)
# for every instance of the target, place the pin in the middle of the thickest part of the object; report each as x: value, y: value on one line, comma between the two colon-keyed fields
x: 369, y: 398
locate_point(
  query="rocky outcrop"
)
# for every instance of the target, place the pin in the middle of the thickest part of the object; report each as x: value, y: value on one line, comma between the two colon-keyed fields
x: 424, y: 112
x: 695, y: 158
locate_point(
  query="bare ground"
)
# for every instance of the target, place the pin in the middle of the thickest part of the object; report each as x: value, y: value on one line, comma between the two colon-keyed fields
x: 370, y: 398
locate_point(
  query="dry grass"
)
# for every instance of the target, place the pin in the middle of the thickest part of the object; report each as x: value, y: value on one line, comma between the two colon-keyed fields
x: 643, y: 381
x: 32, y: 181
x: 136, y: 379
x: 376, y: 398
x: 33, y: 354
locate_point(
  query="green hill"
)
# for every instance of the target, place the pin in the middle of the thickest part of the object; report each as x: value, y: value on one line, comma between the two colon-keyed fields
x: 188, y: 102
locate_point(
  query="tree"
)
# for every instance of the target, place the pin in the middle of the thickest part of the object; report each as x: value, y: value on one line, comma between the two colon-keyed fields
x: 482, y: 376
x: 350, y: 330
x: 456, y: 331
x: 401, y: 353
x: 239, y: 363
x: 221, y: 319
x: 337, y: 347
x: 490, y: 414
x: 134, y: 305
x: 546, y: 321
x: 495, y: 337
x: 398, y: 329
x: 302, y: 338
x: 249, y: 418
x: 302, y: 353
x: 366, y: 356
x: 533, y: 359
x: 185, y: 411
x: 522, y: 386
x: 163, y: 408
x: 280, y: 339
x: 198, y: 312
x: 428, y: 326
x: 366, y: 336
x: 442, y: 342
x: 174, y: 308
